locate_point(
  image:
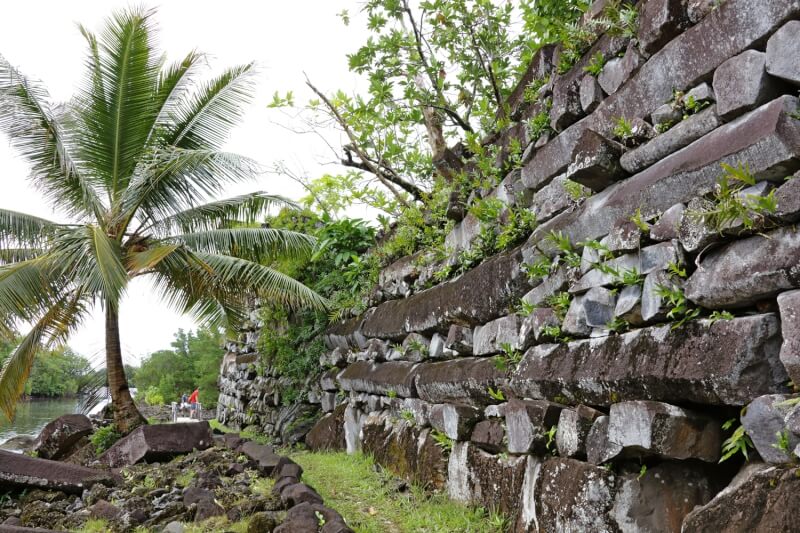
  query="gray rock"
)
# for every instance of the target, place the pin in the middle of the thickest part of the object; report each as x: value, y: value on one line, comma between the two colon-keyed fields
x: 789, y: 305
x: 566, y: 108
x: 619, y: 70
x: 489, y: 435
x: 534, y: 324
x: 598, y: 307
x: 701, y: 93
x: 629, y: 305
x: 647, y: 428
x: 625, y: 236
x: 20, y: 471
x: 682, y: 134
x: 329, y: 401
x: 527, y: 423
x: 464, y: 381
x: 173, y: 527
x: 455, y: 421
x: 666, y: 228
x: 573, y: 429
x: 787, y: 197
x: 783, y: 53
x: 551, y: 200
x: 575, y: 319
x: 459, y: 339
x: 764, y: 422
x: 698, y: 9
x: 354, y: 419
x: 591, y: 94
x: 694, y: 232
x: 653, y: 304
x: 689, y: 363
x: 59, y: 437
x: 660, y: 257
x: 436, y: 347
x: 556, y: 282
x: 463, y: 234
x: 666, y: 114
x: 741, y: 84
x: 596, y: 162
x: 598, y: 278
x: 747, y: 271
x: 599, y: 448
x: 416, y: 347
x: 393, y: 377
x: 492, y: 337
x: 660, y: 22
x: 156, y: 442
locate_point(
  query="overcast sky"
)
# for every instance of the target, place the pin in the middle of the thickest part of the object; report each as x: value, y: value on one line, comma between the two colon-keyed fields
x: 285, y: 38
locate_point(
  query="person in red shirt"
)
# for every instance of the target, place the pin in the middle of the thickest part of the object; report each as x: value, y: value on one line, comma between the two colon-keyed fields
x: 193, y: 401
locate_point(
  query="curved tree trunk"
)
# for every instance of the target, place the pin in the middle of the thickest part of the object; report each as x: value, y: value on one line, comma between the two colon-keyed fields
x: 126, y: 416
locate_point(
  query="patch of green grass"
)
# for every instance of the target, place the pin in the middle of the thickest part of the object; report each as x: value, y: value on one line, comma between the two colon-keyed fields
x: 262, y: 486
x: 215, y: 524
x: 185, y: 478
x: 369, y: 503
x: 94, y: 525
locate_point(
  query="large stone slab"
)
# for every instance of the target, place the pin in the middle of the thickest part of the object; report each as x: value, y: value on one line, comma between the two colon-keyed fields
x: 765, y: 423
x: 763, y: 500
x: 391, y: 378
x: 527, y: 423
x: 747, y: 271
x: 767, y: 139
x: 724, y: 363
x: 783, y: 53
x: 464, y: 380
x: 59, y: 437
x: 22, y: 471
x: 480, y: 295
x: 736, y: 26
x: 158, y: 442
x: 741, y: 84
x: 789, y: 305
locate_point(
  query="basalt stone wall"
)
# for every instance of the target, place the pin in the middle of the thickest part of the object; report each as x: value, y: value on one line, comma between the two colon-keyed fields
x: 253, y: 394
x: 599, y: 403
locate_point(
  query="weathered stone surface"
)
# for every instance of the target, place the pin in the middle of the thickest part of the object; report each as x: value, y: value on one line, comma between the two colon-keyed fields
x: 595, y: 162
x: 646, y: 428
x: 629, y: 305
x: 682, y: 134
x: 764, y: 422
x: 566, y: 107
x: 534, y: 324
x: 625, y: 236
x: 666, y: 228
x: 490, y: 338
x: 459, y: 339
x: 599, y: 278
x: 599, y: 448
x: 575, y: 496
x: 741, y: 84
x: 17, y: 470
x: 735, y: 27
x: 463, y: 380
x: 489, y: 435
x: 463, y: 234
x: 591, y: 94
x: 701, y: 93
x: 764, y: 501
x: 575, y: 319
x: 551, y: 200
x: 345, y: 334
x: 729, y: 362
x: 527, y: 423
x: 618, y: 70
x: 661, y: 21
x: 787, y: 198
x: 158, y: 442
x: 328, y: 432
x: 767, y: 138
x: 573, y: 429
x: 556, y: 282
x: 394, y: 377
x: 789, y: 304
x: 59, y: 437
x: 783, y: 53
x: 747, y: 271
x: 598, y: 307
x: 262, y: 455
x: 653, y: 307
x: 661, y: 498
x: 697, y: 9
x: 353, y: 422
x: 667, y: 114
x: 455, y: 421
x: 477, y: 297
x: 408, y: 451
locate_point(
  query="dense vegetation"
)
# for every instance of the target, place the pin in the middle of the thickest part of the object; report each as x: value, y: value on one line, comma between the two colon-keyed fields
x: 192, y: 362
x: 57, y: 372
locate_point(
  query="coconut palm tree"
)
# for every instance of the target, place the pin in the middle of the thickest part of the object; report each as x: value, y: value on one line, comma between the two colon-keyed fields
x: 134, y: 160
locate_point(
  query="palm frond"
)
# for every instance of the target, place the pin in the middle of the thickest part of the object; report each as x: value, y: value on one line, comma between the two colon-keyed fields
x: 22, y: 229
x: 238, y: 210
x: 174, y: 84
x: 254, y: 244
x: 28, y: 288
x: 138, y: 262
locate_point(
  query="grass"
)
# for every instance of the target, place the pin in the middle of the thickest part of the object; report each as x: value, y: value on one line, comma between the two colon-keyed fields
x: 252, y: 435
x: 369, y: 503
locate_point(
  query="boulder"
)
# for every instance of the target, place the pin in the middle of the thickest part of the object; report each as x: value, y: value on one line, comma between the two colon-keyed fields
x: 158, y: 442
x: 783, y: 53
x: 598, y: 307
x: 603, y: 277
x: 261, y: 455
x: 527, y: 423
x: 684, y: 133
x: 787, y: 198
x: 574, y: 322
x: 660, y: 22
x: 763, y: 500
x: 58, y: 438
x: 741, y: 84
x: 728, y: 362
x: 789, y: 304
x: 653, y: 306
x: 599, y: 448
x: 480, y: 295
x: 465, y: 380
x: 566, y: 109
x: 591, y: 94
x: 298, y: 493
x: 489, y: 435
x: 533, y: 325
x: 573, y: 429
x: 618, y: 70
x: 647, y: 428
x: 328, y: 432
x: 390, y: 378
x: 552, y: 199
x: 666, y: 227
x: 459, y: 339
x: 455, y: 421
x: 17, y: 470
x: 765, y: 423
x: 595, y: 162
x: 490, y: 338
x: 625, y: 236
x: 345, y: 334
x: 629, y: 305
x: 555, y: 282
x: 697, y: 9
x: 666, y: 116
x: 746, y: 271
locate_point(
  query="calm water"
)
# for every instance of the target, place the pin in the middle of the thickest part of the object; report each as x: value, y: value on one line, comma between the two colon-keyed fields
x: 32, y: 415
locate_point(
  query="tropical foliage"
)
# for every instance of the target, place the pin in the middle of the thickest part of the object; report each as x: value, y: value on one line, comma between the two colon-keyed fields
x: 135, y: 160
x: 57, y: 372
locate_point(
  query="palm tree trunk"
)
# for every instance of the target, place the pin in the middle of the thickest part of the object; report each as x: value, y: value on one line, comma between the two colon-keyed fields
x: 126, y: 416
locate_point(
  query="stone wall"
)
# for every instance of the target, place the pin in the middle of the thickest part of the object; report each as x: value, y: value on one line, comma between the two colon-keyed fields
x: 600, y: 405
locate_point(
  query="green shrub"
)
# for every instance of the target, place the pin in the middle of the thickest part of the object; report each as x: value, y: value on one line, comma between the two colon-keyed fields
x: 152, y: 396
x: 104, y: 438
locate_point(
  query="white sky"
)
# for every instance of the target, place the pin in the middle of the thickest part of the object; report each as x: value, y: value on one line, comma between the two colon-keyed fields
x: 285, y: 39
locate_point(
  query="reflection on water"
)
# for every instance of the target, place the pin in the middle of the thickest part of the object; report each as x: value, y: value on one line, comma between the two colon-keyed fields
x: 32, y: 415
